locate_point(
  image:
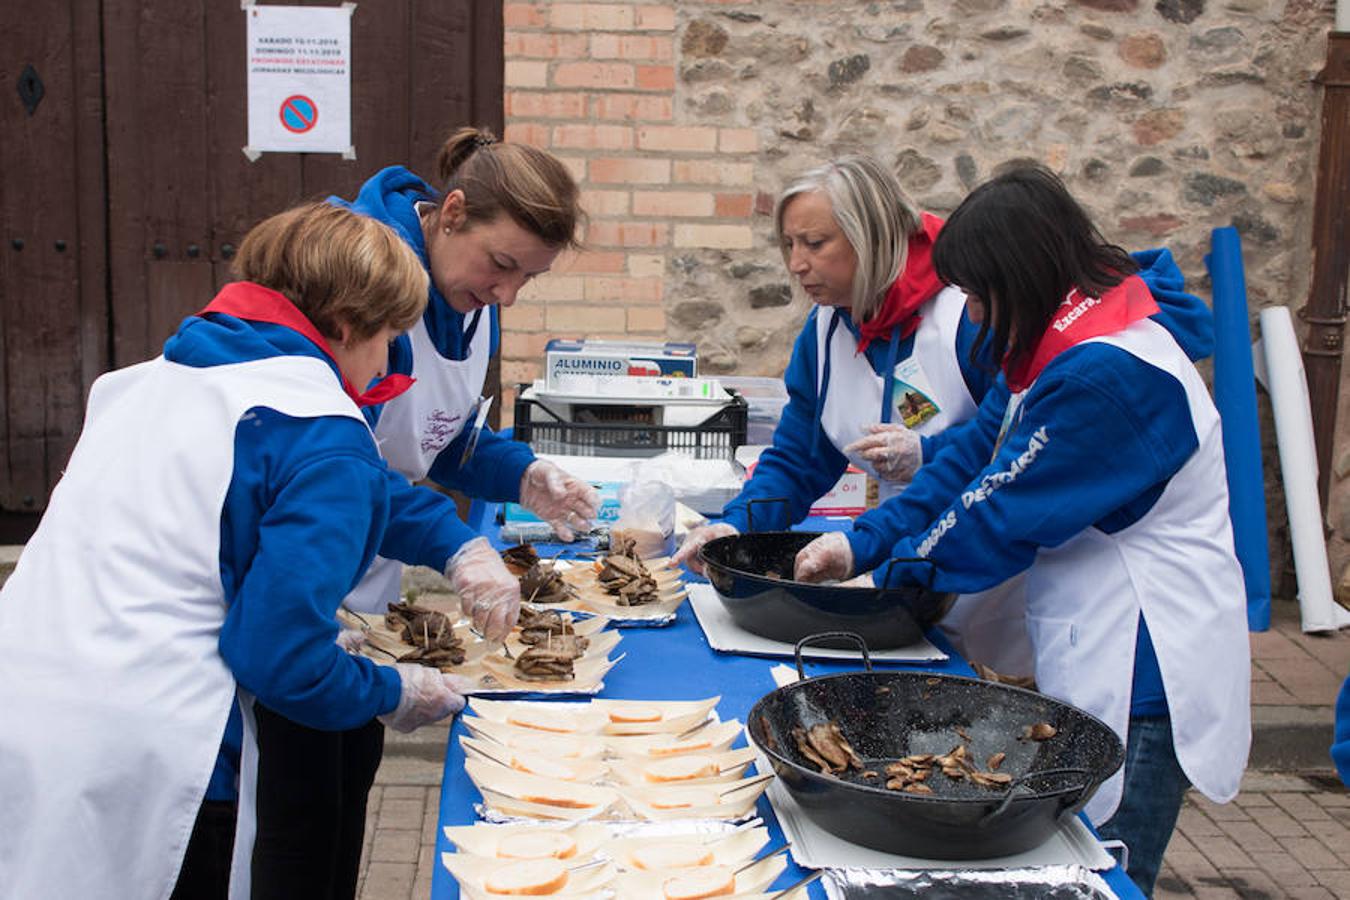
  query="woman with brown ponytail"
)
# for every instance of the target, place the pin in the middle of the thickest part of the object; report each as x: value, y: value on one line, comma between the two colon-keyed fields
x: 501, y: 216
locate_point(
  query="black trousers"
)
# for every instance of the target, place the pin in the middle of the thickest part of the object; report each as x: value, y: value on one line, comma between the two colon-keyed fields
x: 311, y: 813
x: 206, y: 867
x: 311, y: 807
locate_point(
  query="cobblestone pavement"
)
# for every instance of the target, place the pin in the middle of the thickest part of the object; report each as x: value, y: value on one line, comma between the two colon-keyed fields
x: 401, y: 830
x: 1284, y: 836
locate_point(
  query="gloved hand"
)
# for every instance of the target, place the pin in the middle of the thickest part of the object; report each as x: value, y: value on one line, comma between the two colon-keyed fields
x: 688, y: 552
x: 892, y: 449
x: 351, y: 639
x: 567, y: 504
x: 827, y: 558
x: 488, y: 592
x: 428, y: 696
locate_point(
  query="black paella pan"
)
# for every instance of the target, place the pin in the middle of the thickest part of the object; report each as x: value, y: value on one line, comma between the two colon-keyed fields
x: 889, y: 715
x: 752, y: 574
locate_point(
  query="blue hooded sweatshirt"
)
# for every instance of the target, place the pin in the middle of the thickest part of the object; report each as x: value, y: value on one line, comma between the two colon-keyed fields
x: 803, y: 463
x: 495, y: 469
x: 305, y: 513
x: 1122, y: 429
x: 1340, y: 749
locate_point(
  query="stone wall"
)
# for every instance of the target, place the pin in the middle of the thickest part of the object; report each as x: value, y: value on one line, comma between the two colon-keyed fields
x: 683, y: 121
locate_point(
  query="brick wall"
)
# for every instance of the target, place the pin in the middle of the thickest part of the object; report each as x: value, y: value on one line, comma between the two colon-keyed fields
x: 594, y: 83
x: 1167, y: 118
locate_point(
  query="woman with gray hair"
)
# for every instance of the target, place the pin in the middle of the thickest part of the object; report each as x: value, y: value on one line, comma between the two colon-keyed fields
x: 884, y: 359
x: 886, y: 363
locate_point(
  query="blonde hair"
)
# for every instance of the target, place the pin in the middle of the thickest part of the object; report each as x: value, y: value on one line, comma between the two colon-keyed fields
x: 875, y: 215
x: 337, y: 267
x: 531, y: 186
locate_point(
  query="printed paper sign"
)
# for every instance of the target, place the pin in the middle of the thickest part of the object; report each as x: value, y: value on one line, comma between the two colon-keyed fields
x: 299, y: 79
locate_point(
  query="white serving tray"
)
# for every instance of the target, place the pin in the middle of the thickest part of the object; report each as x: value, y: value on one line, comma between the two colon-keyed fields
x: 725, y: 635
x: 815, y: 848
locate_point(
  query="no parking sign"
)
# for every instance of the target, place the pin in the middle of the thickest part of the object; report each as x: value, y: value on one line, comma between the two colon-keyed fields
x: 299, y: 79
x: 299, y: 114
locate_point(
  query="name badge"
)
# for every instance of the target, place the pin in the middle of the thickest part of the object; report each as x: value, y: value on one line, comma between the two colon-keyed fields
x: 912, y: 394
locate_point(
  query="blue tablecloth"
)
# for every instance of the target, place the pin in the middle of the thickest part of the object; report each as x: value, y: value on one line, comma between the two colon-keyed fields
x: 673, y: 663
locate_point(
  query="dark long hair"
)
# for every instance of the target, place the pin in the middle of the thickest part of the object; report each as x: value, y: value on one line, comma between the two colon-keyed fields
x: 1020, y: 242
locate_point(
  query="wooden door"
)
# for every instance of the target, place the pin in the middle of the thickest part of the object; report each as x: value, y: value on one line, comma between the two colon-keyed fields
x: 180, y: 190
x: 53, y: 290
x: 124, y: 191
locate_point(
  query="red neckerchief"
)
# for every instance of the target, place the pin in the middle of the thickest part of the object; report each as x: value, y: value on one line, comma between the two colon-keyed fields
x: 255, y: 303
x: 916, y: 284
x: 1081, y: 318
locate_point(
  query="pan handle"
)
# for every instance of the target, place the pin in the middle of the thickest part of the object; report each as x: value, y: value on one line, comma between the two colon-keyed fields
x: 750, y: 509
x: 1018, y: 782
x: 890, y: 564
x: 811, y: 639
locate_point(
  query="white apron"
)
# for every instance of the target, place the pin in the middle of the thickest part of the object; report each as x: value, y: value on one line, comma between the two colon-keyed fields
x: 988, y: 626
x: 116, y: 695
x: 415, y: 427
x: 855, y: 394
x: 1177, y: 567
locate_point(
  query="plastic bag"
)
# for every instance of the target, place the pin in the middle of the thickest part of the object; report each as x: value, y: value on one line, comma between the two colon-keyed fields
x: 704, y: 485
x: 647, y: 516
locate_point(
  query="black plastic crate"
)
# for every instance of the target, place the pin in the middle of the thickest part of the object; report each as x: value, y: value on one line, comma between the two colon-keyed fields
x: 629, y: 430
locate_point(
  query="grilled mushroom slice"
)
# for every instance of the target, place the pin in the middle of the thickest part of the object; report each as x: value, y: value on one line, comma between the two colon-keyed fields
x: 544, y: 584
x: 520, y: 557
x: 537, y: 626
x: 430, y: 632
x: 824, y: 745
x: 543, y: 664
x: 628, y: 580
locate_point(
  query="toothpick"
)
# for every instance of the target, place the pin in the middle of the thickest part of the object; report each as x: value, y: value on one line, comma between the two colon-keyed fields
x: 809, y: 879
x: 753, y: 782
x: 692, y: 731
x: 770, y: 855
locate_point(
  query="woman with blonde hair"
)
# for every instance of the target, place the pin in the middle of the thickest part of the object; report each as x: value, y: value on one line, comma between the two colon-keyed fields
x: 221, y: 501
x: 883, y: 358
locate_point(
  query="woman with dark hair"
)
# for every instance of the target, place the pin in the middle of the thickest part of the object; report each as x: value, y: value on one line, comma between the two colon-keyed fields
x: 1105, y: 483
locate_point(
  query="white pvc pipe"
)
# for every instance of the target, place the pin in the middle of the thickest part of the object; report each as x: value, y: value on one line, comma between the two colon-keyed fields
x: 1298, y: 467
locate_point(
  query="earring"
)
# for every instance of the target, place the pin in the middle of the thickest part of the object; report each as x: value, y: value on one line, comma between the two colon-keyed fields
x: 449, y: 230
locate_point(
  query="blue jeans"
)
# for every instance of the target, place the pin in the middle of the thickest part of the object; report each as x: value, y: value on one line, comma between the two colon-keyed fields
x: 1154, y: 789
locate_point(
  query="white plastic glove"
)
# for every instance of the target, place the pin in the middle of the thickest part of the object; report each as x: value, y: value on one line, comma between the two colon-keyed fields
x: 428, y: 696
x: 892, y: 449
x: 694, y: 540
x: 827, y: 558
x: 351, y: 639
x: 488, y: 592
x: 567, y: 504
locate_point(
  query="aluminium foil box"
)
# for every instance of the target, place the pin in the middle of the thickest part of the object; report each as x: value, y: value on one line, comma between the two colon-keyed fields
x: 566, y: 358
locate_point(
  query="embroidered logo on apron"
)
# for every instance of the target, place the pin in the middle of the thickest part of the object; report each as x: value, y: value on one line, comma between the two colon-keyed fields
x: 439, y: 430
